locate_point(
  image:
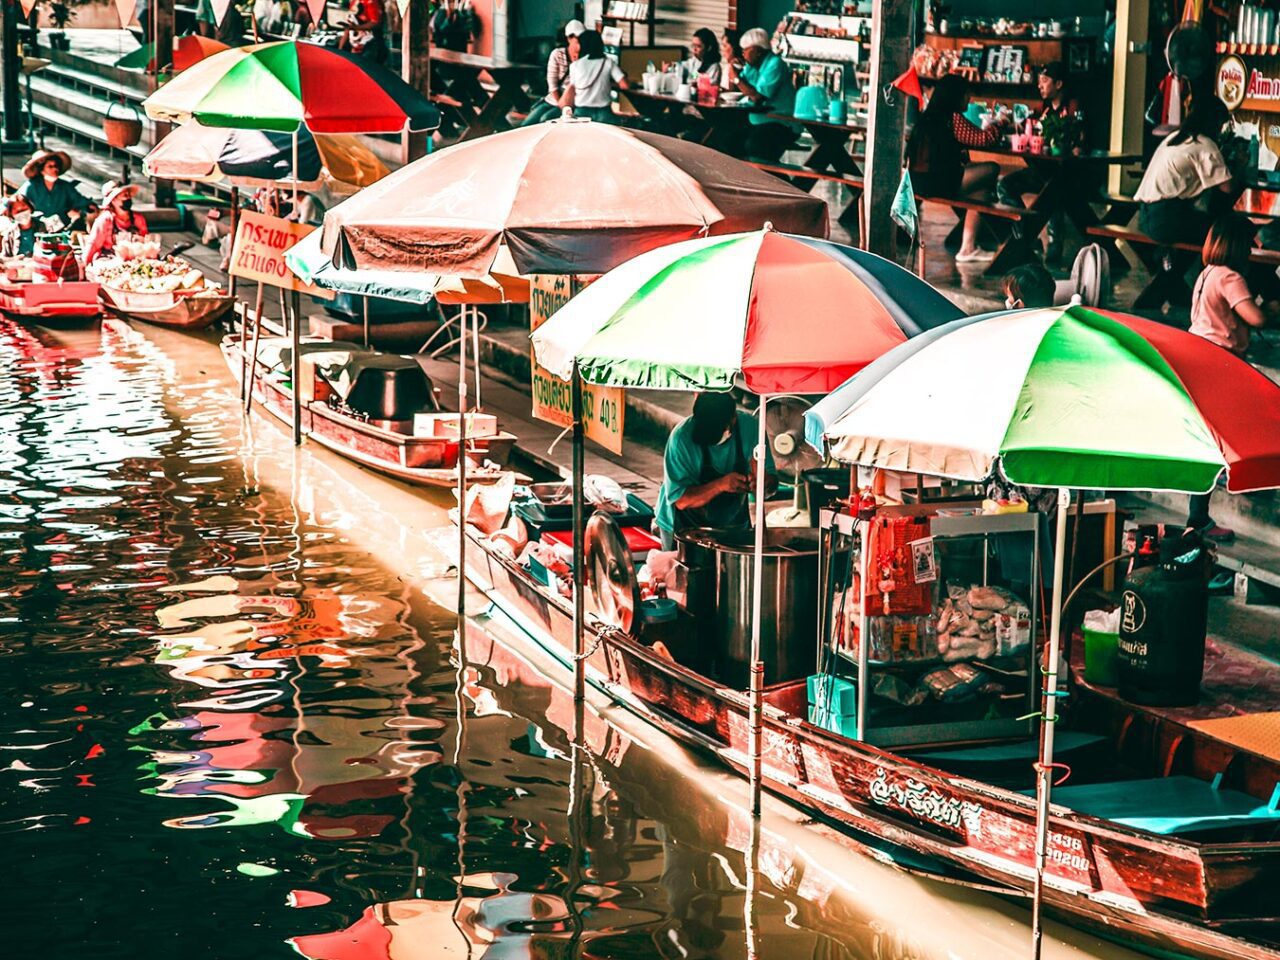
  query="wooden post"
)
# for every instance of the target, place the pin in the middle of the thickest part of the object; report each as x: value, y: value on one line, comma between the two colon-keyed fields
x: 1128, y: 83
x: 891, y: 34
x: 162, y: 21
x: 415, y: 67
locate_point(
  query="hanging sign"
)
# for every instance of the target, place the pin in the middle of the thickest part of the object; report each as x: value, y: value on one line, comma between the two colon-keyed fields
x: 124, y: 8
x: 603, y: 407
x: 1247, y: 88
x: 258, y: 253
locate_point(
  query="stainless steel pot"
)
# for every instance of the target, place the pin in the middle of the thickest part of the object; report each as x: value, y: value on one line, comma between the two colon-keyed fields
x: 721, y: 566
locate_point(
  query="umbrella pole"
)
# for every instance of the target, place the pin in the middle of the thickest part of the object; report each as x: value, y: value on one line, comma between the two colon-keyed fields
x: 1044, y: 770
x: 366, y: 321
x: 462, y: 471
x: 235, y: 217
x: 579, y: 546
x: 295, y: 339
x: 757, y: 605
x: 253, y: 364
x: 244, y: 342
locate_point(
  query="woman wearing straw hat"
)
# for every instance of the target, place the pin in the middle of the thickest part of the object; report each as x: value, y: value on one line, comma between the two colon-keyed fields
x: 117, y: 217
x: 47, y: 191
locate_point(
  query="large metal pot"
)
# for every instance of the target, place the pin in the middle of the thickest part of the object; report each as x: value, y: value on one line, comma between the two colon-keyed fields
x: 721, y: 566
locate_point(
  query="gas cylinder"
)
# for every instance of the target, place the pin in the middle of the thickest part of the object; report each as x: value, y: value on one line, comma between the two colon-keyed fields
x: 1163, y: 613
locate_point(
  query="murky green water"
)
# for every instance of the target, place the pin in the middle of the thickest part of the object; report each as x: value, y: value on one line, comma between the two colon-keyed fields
x: 233, y: 725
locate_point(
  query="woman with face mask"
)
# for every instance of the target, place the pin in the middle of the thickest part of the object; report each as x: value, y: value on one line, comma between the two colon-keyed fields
x: 46, y: 190
x: 117, y: 217
x: 707, y: 469
x: 20, y: 232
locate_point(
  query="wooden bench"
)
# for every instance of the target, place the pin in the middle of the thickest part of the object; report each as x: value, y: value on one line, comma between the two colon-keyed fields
x: 798, y: 175
x: 1168, y: 264
x: 1170, y: 806
x: 1014, y: 249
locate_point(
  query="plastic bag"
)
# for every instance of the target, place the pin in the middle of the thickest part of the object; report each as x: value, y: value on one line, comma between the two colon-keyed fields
x: 1103, y: 621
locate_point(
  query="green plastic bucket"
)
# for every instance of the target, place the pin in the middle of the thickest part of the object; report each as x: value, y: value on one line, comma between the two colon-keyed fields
x: 1100, y: 651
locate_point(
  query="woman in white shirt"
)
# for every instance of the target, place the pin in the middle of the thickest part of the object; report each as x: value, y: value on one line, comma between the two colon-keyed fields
x: 592, y: 79
x: 705, y: 58
x: 1187, y: 182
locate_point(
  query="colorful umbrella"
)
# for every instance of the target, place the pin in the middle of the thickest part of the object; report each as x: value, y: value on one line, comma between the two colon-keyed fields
x: 282, y: 85
x: 565, y: 197
x: 1063, y: 397
x: 1070, y: 398
x: 312, y: 266
x: 187, y: 50
x: 789, y: 314
x: 258, y: 157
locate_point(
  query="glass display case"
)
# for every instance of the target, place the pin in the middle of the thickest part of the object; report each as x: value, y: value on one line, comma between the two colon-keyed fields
x: 947, y: 601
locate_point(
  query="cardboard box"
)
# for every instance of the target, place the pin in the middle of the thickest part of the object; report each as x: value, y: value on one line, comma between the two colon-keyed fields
x: 445, y: 425
x: 312, y: 385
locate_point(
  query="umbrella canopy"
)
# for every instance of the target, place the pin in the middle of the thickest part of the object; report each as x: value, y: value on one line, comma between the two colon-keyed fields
x: 789, y: 314
x: 196, y: 152
x: 187, y: 50
x: 281, y: 85
x: 565, y: 197
x: 1064, y: 397
x: 312, y: 266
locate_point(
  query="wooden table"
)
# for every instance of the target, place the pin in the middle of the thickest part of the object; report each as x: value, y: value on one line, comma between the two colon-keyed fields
x: 484, y: 108
x: 830, y: 141
x: 714, y: 123
x: 1062, y: 192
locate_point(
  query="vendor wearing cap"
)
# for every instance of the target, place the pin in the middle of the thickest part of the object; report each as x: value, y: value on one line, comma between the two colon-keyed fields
x: 708, y: 469
x: 765, y: 79
x: 117, y: 217
x: 46, y: 190
x: 564, y: 53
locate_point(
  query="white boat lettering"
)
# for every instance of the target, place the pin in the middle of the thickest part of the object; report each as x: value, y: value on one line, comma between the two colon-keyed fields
x: 922, y: 801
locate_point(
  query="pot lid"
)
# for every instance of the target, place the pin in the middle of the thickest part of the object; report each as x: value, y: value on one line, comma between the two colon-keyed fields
x: 612, y: 588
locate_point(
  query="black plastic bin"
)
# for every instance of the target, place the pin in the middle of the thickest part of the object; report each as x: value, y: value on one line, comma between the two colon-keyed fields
x: 824, y: 484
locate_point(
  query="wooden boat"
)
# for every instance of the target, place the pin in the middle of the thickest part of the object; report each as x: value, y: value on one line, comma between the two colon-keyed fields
x: 49, y: 299
x: 1209, y: 895
x: 424, y: 461
x: 183, y: 311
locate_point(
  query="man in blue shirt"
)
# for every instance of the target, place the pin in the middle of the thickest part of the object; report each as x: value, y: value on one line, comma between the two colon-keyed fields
x: 765, y: 79
x: 708, y: 469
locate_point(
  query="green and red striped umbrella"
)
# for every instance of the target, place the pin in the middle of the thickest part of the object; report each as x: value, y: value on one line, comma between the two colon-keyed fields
x: 1066, y: 397
x: 277, y: 86
x: 788, y: 314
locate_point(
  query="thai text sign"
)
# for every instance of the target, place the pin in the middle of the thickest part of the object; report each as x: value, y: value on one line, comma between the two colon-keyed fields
x: 602, y: 407
x: 258, y: 254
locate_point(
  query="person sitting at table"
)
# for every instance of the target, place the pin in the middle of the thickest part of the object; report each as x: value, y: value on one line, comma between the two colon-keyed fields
x: 364, y: 33
x: 565, y: 52
x: 708, y: 468
x: 1015, y: 187
x: 1224, y: 310
x: 47, y: 190
x: 117, y: 217
x: 1187, y: 183
x: 454, y: 25
x: 730, y: 58
x: 704, y: 57
x: 592, y: 80
x: 938, y: 160
x: 765, y: 79
x: 19, y: 232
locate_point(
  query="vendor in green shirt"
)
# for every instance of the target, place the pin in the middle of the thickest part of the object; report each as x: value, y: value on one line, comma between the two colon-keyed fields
x: 48, y: 192
x: 708, y: 469
x: 765, y: 79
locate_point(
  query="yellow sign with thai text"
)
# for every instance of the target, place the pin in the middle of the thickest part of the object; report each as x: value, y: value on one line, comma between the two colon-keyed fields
x: 603, y: 408
x: 258, y: 254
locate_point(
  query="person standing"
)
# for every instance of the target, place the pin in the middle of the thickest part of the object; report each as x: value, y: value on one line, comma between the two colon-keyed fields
x: 565, y: 52
x: 707, y: 469
x: 46, y: 189
x: 937, y: 156
x: 592, y: 80
x: 765, y: 79
x: 1224, y: 311
x: 117, y: 217
x: 365, y: 33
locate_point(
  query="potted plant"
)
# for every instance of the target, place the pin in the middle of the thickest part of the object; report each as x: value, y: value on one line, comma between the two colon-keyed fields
x: 60, y: 14
x: 1062, y: 132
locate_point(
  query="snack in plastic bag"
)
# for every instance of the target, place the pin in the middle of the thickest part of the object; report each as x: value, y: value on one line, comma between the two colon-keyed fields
x: 953, y: 683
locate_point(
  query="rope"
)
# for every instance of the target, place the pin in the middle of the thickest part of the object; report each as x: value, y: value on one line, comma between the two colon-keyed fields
x: 1050, y: 767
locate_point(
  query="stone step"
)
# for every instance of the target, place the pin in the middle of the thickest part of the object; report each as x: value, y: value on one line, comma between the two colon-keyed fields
x: 119, y: 84
x: 86, y: 108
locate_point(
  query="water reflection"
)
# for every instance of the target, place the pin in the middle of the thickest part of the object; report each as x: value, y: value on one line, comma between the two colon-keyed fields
x: 232, y: 724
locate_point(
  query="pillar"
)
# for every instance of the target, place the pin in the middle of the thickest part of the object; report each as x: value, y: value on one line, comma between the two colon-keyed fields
x: 1129, y: 81
x: 891, y: 32
x: 415, y: 66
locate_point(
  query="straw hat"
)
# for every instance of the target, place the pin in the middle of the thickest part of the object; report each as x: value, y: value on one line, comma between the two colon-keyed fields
x: 111, y: 190
x: 36, y: 163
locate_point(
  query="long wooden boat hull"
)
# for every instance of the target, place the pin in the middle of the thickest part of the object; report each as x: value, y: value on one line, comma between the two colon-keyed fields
x: 52, y: 300
x: 423, y: 461
x: 185, y: 313
x: 1166, y: 894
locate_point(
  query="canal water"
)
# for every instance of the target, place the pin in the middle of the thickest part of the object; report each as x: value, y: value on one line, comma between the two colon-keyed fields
x: 233, y: 722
